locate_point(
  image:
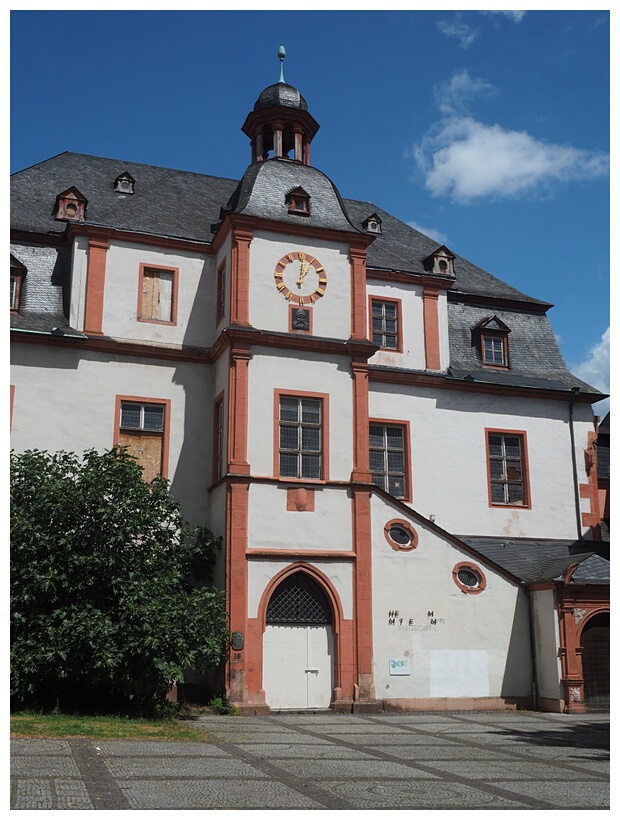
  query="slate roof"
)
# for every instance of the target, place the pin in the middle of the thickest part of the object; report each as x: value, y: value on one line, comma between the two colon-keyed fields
x: 186, y: 205
x: 538, y: 560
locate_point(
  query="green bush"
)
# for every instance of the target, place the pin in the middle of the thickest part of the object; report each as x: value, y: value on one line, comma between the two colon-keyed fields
x: 102, y: 610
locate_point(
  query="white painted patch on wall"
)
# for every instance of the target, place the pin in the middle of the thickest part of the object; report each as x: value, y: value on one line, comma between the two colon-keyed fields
x: 459, y: 673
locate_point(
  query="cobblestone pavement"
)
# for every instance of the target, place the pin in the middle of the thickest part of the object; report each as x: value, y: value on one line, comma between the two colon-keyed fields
x: 464, y: 760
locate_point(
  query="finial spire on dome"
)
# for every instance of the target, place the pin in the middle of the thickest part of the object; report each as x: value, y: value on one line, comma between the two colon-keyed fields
x: 281, y: 56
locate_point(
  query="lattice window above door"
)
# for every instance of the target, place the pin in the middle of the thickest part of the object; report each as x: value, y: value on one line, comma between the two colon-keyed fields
x: 299, y: 600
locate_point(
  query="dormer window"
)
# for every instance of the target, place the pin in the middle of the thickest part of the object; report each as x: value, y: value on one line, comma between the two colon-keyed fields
x: 18, y: 272
x: 298, y: 202
x: 372, y: 224
x: 71, y: 205
x: 440, y: 262
x: 124, y: 183
x: 493, y: 336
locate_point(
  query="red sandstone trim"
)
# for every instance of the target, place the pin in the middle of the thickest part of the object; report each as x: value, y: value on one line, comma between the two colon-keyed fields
x: 240, y: 276
x: 408, y: 528
x: 357, y: 256
x: 362, y: 591
x: 300, y: 499
x: 361, y: 451
x: 431, y: 328
x: 95, y: 286
x: 482, y: 583
x: 238, y: 402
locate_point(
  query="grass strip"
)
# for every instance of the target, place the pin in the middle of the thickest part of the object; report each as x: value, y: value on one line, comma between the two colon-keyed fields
x: 30, y: 724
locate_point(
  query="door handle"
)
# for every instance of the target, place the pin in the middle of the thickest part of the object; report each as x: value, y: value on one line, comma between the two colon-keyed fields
x: 314, y: 671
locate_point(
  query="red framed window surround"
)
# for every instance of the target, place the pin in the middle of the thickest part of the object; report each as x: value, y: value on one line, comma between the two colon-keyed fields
x: 389, y: 457
x: 158, y: 294
x: 142, y: 425
x: 507, y: 468
x: 301, y: 435
x: 386, y: 323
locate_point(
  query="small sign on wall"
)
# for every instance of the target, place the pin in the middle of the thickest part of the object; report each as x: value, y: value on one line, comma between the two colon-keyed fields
x: 400, y: 666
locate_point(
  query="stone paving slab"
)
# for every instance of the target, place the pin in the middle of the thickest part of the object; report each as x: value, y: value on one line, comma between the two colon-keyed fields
x: 214, y: 794
x: 452, y: 761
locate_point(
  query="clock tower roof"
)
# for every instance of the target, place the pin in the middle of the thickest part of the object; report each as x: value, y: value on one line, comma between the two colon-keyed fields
x: 280, y: 125
x: 280, y: 94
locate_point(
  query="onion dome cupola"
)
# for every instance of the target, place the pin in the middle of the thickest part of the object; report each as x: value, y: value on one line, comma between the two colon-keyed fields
x: 280, y: 126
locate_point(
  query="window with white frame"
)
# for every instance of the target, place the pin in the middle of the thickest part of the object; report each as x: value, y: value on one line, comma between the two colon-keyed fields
x: 300, y: 446
x: 388, y: 458
x: 494, y: 350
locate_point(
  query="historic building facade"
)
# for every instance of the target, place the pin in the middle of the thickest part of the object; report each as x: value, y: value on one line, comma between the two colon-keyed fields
x: 402, y: 469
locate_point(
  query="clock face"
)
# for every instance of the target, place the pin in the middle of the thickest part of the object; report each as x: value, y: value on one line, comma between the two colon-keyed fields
x: 300, y: 278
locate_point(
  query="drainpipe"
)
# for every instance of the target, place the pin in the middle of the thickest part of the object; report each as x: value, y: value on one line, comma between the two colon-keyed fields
x: 574, y: 394
x: 532, y: 647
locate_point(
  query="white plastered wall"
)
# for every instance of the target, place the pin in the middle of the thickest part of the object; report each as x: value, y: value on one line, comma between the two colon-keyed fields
x: 195, y: 311
x: 413, y: 355
x: 412, y: 316
x: 272, y: 526
x: 304, y: 373
x: 547, y: 638
x: 331, y: 314
x: 455, y: 644
x: 65, y: 399
x: 449, y: 461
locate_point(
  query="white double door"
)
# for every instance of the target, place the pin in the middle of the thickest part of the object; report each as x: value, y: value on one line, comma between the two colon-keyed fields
x: 298, y: 666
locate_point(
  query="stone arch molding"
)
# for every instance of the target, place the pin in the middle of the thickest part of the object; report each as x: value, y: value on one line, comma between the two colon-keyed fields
x: 316, y: 575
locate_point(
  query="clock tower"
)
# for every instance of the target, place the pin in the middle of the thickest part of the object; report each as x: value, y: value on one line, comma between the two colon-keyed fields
x: 280, y: 126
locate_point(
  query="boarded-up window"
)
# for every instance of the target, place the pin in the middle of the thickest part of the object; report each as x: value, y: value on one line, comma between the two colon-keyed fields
x: 157, y: 302
x: 142, y: 432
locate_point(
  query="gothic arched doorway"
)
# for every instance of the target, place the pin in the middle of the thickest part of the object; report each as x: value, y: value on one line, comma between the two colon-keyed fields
x: 595, y: 660
x: 298, y: 646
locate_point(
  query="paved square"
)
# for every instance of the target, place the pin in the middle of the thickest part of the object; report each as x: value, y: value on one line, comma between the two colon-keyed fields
x: 462, y: 760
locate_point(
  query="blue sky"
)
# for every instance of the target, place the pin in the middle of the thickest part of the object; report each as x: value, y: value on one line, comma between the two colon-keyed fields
x: 486, y: 130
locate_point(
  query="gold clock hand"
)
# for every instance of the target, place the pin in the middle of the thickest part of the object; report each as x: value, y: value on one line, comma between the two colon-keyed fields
x: 305, y: 267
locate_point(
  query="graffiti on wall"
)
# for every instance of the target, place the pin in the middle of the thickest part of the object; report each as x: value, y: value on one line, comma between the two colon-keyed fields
x: 414, y: 621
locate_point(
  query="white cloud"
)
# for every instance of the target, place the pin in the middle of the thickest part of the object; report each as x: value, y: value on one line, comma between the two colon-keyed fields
x: 434, y: 233
x: 454, y: 96
x: 595, y: 370
x: 456, y: 28
x: 517, y: 16
x: 466, y: 159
